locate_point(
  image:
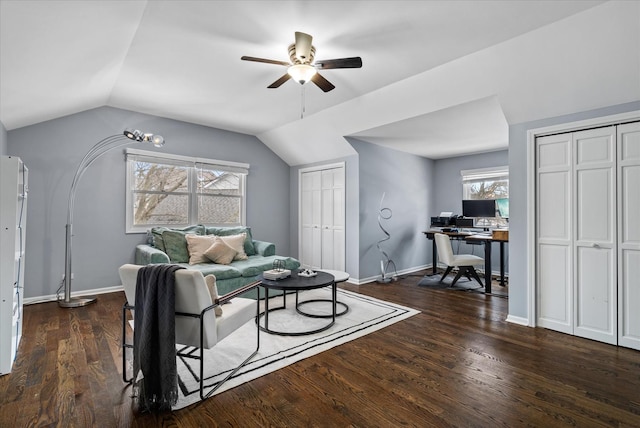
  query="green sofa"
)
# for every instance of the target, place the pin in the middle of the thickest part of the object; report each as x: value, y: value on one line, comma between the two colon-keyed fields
x: 169, y: 245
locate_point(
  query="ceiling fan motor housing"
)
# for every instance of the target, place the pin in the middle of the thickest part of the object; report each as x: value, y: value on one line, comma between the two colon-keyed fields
x: 295, y: 59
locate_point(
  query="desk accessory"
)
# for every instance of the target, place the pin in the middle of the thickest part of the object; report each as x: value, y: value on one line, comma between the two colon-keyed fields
x: 307, y: 273
x: 277, y: 272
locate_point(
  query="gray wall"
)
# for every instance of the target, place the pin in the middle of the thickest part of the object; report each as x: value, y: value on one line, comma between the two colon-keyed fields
x: 448, y: 195
x: 352, y: 210
x: 408, y: 184
x: 51, y: 150
x: 518, y: 298
x: 3, y: 140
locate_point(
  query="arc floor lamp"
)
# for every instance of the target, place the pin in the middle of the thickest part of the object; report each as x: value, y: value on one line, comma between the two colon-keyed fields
x: 96, y: 151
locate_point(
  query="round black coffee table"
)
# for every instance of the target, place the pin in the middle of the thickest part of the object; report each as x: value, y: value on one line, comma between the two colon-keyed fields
x: 296, y: 283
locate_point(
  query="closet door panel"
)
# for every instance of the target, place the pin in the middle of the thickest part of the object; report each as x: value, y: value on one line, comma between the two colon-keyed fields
x: 554, y: 251
x: 553, y: 207
x: 595, y: 305
x: 554, y: 288
x: 629, y: 235
x: 595, y: 207
x: 310, y: 216
x: 595, y: 312
x: 629, y: 295
x: 630, y: 201
x: 338, y: 244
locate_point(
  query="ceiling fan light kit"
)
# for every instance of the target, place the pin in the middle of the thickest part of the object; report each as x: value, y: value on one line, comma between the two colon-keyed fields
x: 301, y: 66
x: 301, y: 73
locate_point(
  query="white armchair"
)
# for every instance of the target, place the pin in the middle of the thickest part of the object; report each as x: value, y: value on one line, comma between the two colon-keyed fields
x: 464, y: 262
x: 196, y: 324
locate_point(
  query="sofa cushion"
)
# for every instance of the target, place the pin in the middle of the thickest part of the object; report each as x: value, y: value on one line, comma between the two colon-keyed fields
x: 255, y: 265
x: 226, y: 231
x: 221, y: 272
x: 220, y: 252
x: 175, y: 245
x: 197, y: 245
x: 158, y: 241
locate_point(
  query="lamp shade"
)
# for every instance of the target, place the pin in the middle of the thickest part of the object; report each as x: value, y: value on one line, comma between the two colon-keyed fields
x: 157, y: 140
x: 301, y: 73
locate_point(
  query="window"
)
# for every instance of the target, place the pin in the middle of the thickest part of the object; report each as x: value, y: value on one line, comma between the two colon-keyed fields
x: 488, y: 183
x: 171, y: 190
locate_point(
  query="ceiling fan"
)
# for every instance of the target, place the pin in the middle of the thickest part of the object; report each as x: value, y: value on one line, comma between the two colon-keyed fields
x: 302, y: 68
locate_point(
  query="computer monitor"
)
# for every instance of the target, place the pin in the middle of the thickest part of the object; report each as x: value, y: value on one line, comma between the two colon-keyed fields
x: 479, y: 208
x: 503, y: 207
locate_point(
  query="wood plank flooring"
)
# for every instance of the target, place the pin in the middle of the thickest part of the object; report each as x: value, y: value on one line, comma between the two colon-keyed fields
x: 456, y: 364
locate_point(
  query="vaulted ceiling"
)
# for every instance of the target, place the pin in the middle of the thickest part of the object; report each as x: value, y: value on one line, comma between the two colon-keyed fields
x: 439, y: 78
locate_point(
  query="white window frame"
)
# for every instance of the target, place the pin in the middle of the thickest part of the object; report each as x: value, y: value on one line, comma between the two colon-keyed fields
x: 193, y: 164
x: 484, y: 174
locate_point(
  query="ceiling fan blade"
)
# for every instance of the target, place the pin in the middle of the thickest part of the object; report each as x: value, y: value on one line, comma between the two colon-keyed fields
x: 280, y: 81
x: 268, y: 61
x: 322, y: 83
x: 303, y: 47
x: 353, y: 62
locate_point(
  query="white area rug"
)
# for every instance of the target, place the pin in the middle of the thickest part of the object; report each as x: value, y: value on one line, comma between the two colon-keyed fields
x: 365, y: 316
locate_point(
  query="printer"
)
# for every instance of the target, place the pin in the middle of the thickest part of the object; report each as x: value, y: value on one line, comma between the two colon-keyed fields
x: 444, y: 221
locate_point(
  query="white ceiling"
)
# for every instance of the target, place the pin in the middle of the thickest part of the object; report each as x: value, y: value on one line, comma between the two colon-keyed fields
x: 439, y: 78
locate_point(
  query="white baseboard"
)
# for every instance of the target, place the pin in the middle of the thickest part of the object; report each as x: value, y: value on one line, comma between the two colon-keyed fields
x: 377, y: 277
x: 370, y: 279
x: 54, y: 298
x: 518, y: 320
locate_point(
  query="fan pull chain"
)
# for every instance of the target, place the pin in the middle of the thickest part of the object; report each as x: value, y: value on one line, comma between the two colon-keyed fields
x: 302, y: 107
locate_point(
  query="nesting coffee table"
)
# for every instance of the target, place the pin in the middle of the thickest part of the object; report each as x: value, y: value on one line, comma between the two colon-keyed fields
x: 296, y: 283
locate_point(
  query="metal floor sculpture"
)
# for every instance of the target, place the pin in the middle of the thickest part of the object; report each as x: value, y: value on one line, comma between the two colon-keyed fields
x: 386, y: 262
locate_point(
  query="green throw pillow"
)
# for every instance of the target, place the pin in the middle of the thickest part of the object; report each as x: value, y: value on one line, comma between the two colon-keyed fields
x: 156, y: 232
x: 175, y: 245
x: 226, y: 231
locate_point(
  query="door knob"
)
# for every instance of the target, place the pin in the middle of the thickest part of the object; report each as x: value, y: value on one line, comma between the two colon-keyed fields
x: 594, y: 245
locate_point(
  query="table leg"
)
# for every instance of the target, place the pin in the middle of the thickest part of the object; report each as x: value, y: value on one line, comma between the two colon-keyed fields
x: 266, y: 309
x: 335, y: 300
x: 502, y: 263
x: 434, y: 257
x: 487, y: 266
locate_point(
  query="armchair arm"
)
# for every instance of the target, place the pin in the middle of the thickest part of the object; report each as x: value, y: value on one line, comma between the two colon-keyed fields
x: 235, y: 293
x: 146, y: 254
x: 226, y: 297
x: 264, y: 248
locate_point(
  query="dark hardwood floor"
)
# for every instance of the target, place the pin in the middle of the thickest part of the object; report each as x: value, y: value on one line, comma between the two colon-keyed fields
x: 457, y: 363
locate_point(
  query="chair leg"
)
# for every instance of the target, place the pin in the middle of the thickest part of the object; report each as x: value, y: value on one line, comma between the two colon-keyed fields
x: 462, y: 270
x: 234, y: 371
x: 446, y: 272
x: 125, y: 345
x: 475, y: 276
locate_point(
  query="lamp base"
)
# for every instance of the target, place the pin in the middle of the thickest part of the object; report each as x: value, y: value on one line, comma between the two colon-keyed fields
x: 76, y: 302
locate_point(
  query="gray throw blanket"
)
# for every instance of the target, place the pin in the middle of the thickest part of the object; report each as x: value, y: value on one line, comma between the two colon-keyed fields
x: 154, y: 347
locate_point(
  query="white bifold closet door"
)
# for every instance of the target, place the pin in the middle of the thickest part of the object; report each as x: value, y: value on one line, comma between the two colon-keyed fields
x: 333, y: 219
x: 554, y: 246
x: 311, y: 219
x: 588, y: 233
x: 322, y: 218
x: 595, y: 237
x: 629, y: 235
